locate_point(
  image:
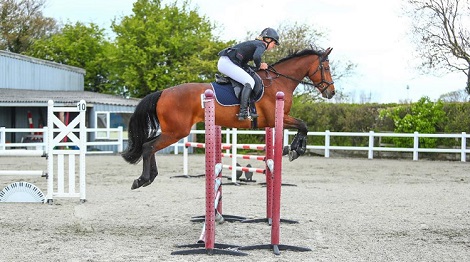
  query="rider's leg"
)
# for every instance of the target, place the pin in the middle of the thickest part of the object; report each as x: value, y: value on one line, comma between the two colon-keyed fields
x: 235, y: 72
x: 227, y: 67
x: 244, y: 99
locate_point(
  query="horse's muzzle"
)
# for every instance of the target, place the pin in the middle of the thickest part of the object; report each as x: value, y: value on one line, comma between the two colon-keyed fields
x: 328, y: 94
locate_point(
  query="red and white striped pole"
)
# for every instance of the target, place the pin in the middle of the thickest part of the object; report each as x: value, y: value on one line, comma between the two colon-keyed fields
x: 218, y: 159
x: 269, y: 175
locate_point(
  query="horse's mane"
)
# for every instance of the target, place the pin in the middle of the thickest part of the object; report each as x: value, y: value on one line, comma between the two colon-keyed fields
x: 299, y: 54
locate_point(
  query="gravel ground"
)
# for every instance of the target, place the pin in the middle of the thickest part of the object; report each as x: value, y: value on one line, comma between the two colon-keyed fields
x: 347, y: 209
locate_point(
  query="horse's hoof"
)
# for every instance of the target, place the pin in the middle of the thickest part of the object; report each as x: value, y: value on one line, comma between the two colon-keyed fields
x: 293, y: 155
x: 248, y: 174
x: 135, y: 184
x: 285, y: 150
x: 147, y: 183
x: 139, y: 182
x: 238, y: 173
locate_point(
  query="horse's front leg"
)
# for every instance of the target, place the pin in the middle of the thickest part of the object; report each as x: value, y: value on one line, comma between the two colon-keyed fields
x: 298, y: 146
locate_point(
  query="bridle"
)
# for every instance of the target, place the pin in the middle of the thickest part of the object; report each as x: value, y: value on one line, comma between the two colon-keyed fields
x: 320, y: 85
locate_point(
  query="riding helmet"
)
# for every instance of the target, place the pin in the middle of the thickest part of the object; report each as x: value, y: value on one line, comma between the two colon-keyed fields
x: 270, y: 33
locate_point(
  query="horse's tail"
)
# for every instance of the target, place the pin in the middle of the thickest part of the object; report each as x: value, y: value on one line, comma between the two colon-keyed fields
x: 143, y: 126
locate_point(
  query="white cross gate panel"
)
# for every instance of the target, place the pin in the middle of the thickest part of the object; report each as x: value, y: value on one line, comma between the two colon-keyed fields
x: 64, y: 148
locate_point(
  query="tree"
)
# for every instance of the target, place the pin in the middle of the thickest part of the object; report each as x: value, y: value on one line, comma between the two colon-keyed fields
x: 424, y: 116
x: 440, y: 29
x: 294, y: 37
x: 22, y: 22
x: 161, y: 46
x: 455, y: 96
x: 79, y: 45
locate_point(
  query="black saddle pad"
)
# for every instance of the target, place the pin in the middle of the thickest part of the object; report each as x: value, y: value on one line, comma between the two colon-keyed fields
x: 225, y: 94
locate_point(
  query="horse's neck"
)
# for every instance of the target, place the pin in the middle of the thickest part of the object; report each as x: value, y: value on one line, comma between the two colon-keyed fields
x: 296, y: 69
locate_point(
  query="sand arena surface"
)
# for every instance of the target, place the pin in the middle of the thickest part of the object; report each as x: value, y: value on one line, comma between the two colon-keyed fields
x: 347, y: 209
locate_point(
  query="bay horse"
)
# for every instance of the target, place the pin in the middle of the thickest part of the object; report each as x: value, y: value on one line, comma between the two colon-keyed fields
x: 176, y: 109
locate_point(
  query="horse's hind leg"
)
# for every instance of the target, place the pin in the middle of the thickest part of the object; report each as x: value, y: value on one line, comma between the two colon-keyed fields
x: 149, y: 170
x: 149, y: 164
x: 153, y: 170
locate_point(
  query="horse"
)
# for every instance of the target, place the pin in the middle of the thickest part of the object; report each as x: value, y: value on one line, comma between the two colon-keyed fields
x: 176, y: 109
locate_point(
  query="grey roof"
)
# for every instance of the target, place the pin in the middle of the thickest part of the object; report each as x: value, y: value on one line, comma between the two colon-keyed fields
x: 19, y: 97
x: 43, y: 62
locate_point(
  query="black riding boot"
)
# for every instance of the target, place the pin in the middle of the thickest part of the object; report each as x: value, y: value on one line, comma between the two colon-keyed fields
x: 244, y: 100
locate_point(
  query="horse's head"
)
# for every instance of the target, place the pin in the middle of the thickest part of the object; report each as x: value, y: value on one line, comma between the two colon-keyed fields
x: 307, y: 63
x: 320, y: 75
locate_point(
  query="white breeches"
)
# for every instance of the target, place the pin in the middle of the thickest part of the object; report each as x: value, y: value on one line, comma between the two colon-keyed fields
x: 227, y: 67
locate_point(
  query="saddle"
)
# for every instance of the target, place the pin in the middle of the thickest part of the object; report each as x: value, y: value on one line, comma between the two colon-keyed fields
x: 227, y: 91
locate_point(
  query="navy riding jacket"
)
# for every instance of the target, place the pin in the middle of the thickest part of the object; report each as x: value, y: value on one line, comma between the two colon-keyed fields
x: 245, y: 52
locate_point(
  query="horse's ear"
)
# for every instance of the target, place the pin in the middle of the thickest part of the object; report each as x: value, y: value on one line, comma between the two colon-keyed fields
x: 325, y: 54
x: 328, y: 51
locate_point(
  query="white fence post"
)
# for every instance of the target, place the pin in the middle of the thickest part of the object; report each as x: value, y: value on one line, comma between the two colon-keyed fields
x: 415, y: 145
x: 2, y: 138
x: 185, y: 157
x: 83, y: 149
x: 45, y: 139
x: 371, y: 145
x: 120, y: 139
x: 228, y: 132
x: 234, y: 155
x: 286, y: 138
x: 463, y: 155
x: 327, y: 143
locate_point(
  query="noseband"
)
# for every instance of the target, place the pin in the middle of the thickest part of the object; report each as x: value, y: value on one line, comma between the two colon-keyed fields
x: 320, y: 85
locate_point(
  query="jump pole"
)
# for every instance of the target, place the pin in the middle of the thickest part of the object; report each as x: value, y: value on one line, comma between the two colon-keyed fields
x: 218, y: 160
x: 212, y: 155
x: 269, y: 173
x: 276, y: 186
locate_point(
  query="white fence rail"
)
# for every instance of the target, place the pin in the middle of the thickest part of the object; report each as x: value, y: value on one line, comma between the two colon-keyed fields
x: 370, y: 148
x: 327, y: 148
x: 41, y: 145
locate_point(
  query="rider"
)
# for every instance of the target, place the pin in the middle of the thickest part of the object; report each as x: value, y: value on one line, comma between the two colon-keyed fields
x: 233, y: 63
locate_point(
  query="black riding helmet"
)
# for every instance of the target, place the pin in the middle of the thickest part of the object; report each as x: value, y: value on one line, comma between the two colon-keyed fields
x: 270, y: 33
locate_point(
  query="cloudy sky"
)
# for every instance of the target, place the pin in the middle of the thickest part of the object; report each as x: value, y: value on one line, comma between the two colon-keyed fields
x: 369, y: 33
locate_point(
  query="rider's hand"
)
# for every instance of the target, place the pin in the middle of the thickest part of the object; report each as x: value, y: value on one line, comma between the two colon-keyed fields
x: 263, y: 66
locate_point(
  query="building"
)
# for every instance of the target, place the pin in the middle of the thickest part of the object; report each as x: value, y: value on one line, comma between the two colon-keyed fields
x: 27, y: 84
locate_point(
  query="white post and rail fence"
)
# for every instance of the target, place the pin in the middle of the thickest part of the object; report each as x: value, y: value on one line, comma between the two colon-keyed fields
x: 463, y: 149
x: 372, y: 146
x: 40, y: 144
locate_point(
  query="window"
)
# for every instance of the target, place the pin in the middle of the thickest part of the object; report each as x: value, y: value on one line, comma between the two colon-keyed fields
x: 102, y: 121
x: 112, y: 120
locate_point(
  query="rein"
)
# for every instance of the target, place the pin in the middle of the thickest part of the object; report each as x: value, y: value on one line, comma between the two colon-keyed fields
x: 317, y: 85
